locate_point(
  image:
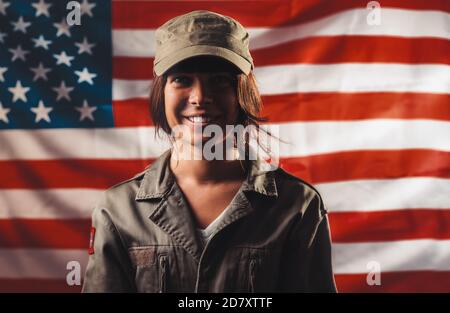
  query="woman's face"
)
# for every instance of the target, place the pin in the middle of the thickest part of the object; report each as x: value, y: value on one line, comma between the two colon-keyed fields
x: 201, y: 92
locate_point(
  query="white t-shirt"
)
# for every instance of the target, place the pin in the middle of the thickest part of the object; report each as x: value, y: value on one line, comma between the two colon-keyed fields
x: 208, y: 232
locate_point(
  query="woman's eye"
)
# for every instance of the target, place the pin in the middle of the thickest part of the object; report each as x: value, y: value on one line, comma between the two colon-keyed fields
x: 182, y: 80
x: 222, y: 80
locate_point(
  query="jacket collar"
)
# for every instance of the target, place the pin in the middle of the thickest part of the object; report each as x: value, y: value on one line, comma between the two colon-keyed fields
x: 159, y: 183
x: 158, y: 179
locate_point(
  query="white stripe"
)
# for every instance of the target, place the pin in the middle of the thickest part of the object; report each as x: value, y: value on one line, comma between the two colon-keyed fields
x: 348, y: 258
x: 398, y: 256
x: 386, y: 194
x: 343, y: 77
x: 48, y: 203
x: 128, y: 89
x: 303, y: 138
x: 40, y: 263
x: 350, y: 196
x: 353, y: 77
x: 310, y: 138
x: 394, y: 22
x: 99, y: 143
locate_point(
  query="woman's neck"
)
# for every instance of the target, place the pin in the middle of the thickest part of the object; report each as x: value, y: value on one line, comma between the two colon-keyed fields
x: 207, y: 171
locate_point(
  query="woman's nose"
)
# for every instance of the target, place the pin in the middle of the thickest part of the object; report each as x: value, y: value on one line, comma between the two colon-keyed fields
x: 200, y: 93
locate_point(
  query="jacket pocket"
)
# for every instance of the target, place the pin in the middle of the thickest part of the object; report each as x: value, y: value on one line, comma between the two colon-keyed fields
x: 252, y: 274
x: 152, y: 267
x: 258, y: 270
x: 142, y: 256
x: 163, y: 273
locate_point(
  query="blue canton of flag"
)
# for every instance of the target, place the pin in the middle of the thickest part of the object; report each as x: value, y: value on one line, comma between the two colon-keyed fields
x: 55, y: 75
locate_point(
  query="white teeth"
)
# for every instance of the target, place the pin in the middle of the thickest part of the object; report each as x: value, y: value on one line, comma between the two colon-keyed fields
x: 199, y: 119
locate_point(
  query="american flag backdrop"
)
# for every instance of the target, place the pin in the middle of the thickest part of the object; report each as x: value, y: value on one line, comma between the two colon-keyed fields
x: 362, y: 96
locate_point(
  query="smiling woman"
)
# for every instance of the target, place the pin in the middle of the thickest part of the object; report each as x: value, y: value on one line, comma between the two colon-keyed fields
x: 193, y: 95
x: 231, y: 97
x: 192, y: 224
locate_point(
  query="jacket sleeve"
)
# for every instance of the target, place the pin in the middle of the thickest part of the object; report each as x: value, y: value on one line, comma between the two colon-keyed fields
x: 307, y: 260
x: 109, y: 268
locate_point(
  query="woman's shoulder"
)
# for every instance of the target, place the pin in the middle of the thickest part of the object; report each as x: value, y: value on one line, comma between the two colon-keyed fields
x: 121, y: 192
x: 291, y: 181
x: 127, y: 192
x: 291, y: 186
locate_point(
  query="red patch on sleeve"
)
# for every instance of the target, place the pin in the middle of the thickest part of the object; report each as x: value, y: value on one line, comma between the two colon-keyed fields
x: 91, y: 241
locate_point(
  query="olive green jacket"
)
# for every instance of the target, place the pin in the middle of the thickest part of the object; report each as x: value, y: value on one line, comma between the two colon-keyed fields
x: 274, y: 238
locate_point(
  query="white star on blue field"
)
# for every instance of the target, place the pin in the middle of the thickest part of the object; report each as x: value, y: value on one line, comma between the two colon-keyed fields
x: 55, y: 75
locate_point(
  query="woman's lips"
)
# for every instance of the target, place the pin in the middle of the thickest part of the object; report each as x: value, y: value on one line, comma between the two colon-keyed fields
x: 203, y: 120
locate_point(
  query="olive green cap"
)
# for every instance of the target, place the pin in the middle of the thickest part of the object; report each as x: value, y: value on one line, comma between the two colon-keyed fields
x: 201, y: 33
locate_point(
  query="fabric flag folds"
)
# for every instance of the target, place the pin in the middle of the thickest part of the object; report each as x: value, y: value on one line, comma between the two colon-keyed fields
x: 362, y: 97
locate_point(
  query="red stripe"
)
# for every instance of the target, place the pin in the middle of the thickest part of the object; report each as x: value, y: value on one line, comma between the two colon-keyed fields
x: 321, y: 50
x: 132, y: 68
x: 351, y: 227
x: 413, y: 281
x: 37, y: 285
x: 70, y: 173
x: 348, y: 227
x: 355, y: 106
x: 332, y: 167
x: 151, y: 14
x: 369, y: 164
x: 131, y: 113
x: 45, y: 233
x: 341, y: 49
x: 324, y: 106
